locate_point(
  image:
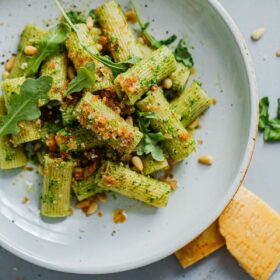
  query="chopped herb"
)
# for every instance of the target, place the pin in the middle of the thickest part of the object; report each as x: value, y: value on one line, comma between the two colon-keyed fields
x: 24, y: 106
x: 183, y: 55
x: 152, y: 40
x: 263, y: 113
x: 76, y: 17
x: 150, y: 141
x: 85, y: 79
x: 10, y: 156
x: 48, y: 46
x: 270, y: 127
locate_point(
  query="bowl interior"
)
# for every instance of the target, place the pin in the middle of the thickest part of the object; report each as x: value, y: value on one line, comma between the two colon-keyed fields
x: 97, y: 245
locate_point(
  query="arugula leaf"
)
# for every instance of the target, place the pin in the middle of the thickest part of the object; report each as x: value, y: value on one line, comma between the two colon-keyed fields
x: 152, y: 40
x: 76, y: 17
x: 169, y: 40
x: 47, y: 47
x: 85, y: 79
x: 149, y: 144
x: 116, y: 68
x: 263, y: 113
x: 183, y: 55
x: 271, y: 134
x: 274, y: 123
x: 24, y: 106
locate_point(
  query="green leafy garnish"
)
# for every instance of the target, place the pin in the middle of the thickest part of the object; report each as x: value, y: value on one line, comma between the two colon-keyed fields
x: 144, y: 28
x: 76, y: 17
x: 183, y: 55
x: 48, y: 46
x: 85, y: 79
x: 116, y: 68
x: 24, y: 106
x: 263, y: 113
x: 93, y: 15
x: 270, y: 127
x: 150, y: 141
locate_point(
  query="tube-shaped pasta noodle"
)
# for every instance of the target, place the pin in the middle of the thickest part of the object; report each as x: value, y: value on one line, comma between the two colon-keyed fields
x: 29, y: 130
x: 10, y: 156
x: 122, y: 42
x: 191, y: 103
x: 56, y: 67
x: 109, y: 126
x: 67, y: 115
x: 30, y: 36
x: 56, y: 190
x: 151, y: 165
x: 79, y: 57
x: 148, y: 72
x: 114, y: 177
x: 86, y: 188
x: 76, y: 139
x: 179, y: 143
x: 180, y: 77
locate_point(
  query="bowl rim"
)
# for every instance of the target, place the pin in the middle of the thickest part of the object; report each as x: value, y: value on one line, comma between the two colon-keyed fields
x: 237, y: 182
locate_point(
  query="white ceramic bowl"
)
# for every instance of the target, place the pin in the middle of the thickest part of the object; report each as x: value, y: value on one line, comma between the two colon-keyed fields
x: 88, y: 245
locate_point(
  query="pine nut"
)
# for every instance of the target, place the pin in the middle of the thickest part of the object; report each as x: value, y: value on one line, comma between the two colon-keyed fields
x: 141, y: 41
x: 257, y: 34
x: 92, y: 209
x: 206, y: 159
x: 99, y: 47
x: 195, y: 124
x: 90, y: 22
x: 167, y: 83
x: 30, y: 50
x: 9, y: 65
x: 130, y: 16
x: 137, y: 162
x: 172, y: 184
x: 83, y: 204
x: 70, y: 72
x: 5, y: 75
x: 278, y: 53
x: 102, y: 197
x: 129, y: 120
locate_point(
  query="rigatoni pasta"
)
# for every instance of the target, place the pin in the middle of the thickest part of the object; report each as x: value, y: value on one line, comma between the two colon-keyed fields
x: 94, y: 115
x: 146, y: 73
x: 56, y: 190
x: 121, y: 40
x: 79, y: 57
x: 86, y: 188
x: 76, y: 139
x: 191, y: 103
x: 56, y: 67
x: 151, y: 165
x: 117, y: 178
x: 180, y: 77
x: 179, y: 143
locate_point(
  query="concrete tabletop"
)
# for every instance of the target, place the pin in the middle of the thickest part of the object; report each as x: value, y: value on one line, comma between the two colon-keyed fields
x: 262, y: 179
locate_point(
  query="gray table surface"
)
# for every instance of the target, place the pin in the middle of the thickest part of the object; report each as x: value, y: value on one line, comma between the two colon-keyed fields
x: 262, y: 178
